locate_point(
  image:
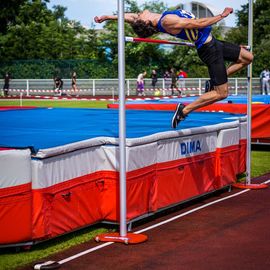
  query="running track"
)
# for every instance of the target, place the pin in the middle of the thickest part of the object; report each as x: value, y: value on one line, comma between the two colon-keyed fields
x: 213, y: 233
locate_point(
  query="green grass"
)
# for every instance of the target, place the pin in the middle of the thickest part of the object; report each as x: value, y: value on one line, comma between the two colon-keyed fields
x: 57, y: 103
x: 260, y: 163
x: 9, y: 259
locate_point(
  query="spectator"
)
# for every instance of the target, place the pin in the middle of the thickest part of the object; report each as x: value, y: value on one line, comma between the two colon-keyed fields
x: 167, y: 79
x: 6, y: 84
x: 173, y: 81
x: 58, y: 85
x: 74, y: 83
x: 140, y: 84
x: 265, y: 77
x: 154, y: 78
x: 181, y: 79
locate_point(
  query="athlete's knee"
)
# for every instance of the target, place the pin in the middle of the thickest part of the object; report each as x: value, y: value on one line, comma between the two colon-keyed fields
x: 249, y: 58
x: 219, y: 96
x: 222, y: 92
x: 222, y: 96
x: 246, y: 57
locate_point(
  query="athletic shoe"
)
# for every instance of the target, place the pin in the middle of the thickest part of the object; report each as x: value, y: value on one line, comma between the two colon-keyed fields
x: 178, y: 115
x: 208, y: 86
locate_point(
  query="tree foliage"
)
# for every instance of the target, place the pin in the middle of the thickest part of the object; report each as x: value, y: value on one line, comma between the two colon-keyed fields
x: 9, y: 11
x: 39, y: 33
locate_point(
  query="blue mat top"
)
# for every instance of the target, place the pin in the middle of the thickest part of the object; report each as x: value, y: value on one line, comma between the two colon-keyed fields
x: 43, y: 128
x: 240, y: 99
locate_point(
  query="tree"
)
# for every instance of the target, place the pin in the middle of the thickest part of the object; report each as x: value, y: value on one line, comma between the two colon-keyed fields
x: 9, y: 11
x: 43, y: 34
x: 39, y: 33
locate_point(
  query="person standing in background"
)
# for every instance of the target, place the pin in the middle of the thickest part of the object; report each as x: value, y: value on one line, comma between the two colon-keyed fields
x: 181, y: 79
x: 154, y: 78
x: 167, y: 80
x: 174, y: 80
x: 58, y: 85
x: 74, y: 83
x: 6, y: 84
x: 265, y: 77
x: 140, y: 84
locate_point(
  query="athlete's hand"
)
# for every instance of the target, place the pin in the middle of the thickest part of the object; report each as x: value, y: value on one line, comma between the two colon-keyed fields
x: 100, y: 19
x: 227, y: 11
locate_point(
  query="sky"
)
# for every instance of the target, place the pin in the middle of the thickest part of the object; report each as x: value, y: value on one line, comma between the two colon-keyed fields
x: 85, y: 10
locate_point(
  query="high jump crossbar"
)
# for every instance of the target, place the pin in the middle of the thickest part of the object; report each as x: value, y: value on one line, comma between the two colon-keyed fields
x: 159, y: 41
x: 168, y: 42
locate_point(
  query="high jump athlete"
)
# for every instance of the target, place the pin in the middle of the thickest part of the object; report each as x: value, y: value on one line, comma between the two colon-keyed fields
x: 213, y: 52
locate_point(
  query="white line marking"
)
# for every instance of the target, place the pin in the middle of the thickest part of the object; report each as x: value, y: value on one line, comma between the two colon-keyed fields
x: 157, y: 225
x: 192, y: 211
x: 266, y: 182
x: 85, y: 252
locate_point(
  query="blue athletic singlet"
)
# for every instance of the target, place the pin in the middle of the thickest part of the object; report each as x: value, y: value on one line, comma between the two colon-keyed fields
x: 198, y: 36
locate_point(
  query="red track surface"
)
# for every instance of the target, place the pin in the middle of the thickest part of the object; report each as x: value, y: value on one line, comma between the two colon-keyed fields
x: 8, y: 108
x: 232, y: 234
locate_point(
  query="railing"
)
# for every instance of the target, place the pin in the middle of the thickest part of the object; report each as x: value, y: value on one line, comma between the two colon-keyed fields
x: 109, y: 87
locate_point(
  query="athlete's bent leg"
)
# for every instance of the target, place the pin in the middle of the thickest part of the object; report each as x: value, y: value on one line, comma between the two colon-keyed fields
x: 220, y: 92
x: 245, y: 58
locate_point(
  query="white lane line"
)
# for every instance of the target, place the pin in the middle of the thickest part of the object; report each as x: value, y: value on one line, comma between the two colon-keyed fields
x: 191, y: 211
x: 85, y: 252
x: 157, y: 225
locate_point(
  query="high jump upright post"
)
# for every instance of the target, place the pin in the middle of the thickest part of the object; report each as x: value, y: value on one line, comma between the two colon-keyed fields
x: 248, y: 183
x: 249, y: 94
x: 122, y: 116
x: 122, y: 236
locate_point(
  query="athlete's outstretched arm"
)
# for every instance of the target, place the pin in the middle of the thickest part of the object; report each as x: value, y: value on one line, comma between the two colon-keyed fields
x: 129, y: 17
x: 172, y: 23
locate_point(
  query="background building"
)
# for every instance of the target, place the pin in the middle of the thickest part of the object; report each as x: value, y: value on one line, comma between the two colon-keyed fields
x: 201, y: 10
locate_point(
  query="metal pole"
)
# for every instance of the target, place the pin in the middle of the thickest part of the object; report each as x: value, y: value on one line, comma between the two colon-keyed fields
x: 94, y: 88
x: 122, y: 117
x: 249, y: 95
x: 27, y: 88
x: 128, y: 88
x: 122, y: 236
x: 21, y: 95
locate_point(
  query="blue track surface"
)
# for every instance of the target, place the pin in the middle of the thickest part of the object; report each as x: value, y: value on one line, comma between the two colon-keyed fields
x: 44, y: 128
